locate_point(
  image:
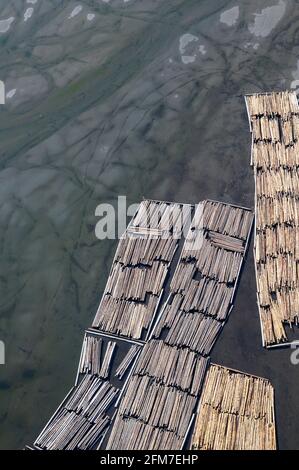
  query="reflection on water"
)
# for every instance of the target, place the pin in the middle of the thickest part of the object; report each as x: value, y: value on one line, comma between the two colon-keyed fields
x: 230, y: 17
x: 108, y: 107
x: 5, y: 24
x: 266, y: 21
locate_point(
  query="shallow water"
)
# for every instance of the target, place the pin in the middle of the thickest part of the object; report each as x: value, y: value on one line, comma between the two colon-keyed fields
x: 105, y: 108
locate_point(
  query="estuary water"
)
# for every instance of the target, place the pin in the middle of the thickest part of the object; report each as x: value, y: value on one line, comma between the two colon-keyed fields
x: 139, y: 98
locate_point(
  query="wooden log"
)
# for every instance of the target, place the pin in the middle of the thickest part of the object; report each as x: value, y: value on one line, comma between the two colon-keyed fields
x: 107, y: 361
x: 127, y: 361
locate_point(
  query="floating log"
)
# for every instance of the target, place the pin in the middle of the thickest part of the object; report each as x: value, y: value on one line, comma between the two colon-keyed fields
x: 91, y: 356
x: 127, y: 361
x: 107, y: 361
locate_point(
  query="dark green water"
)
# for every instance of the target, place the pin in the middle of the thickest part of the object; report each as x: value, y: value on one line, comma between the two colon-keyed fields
x: 143, y: 99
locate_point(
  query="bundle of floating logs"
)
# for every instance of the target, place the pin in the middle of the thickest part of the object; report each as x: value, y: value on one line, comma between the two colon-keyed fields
x: 195, y: 331
x: 125, y: 318
x: 127, y: 361
x: 134, y: 250
x: 140, y: 269
x: 211, y: 261
x: 208, y: 297
x: 161, y: 216
x: 107, y: 360
x: 91, y: 361
x: 171, y: 367
x: 133, y: 434
x: 236, y: 412
x: 81, y: 421
x: 206, y: 276
x: 228, y: 220
x: 157, y: 401
x: 130, y: 283
x: 158, y: 405
x: 274, y: 122
x: 165, y: 364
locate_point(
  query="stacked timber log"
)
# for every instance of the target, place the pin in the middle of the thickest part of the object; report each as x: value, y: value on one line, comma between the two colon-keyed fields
x: 82, y: 420
x: 158, y: 405
x: 140, y: 269
x: 206, y: 276
x: 134, y: 250
x: 195, y: 331
x: 133, y: 434
x: 91, y: 361
x: 162, y: 216
x: 107, y: 361
x: 228, y: 220
x: 134, y: 283
x: 165, y: 364
x: 171, y: 367
x: 274, y: 121
x: 127, y: 361
x: 236, y: 412
x: 214, y: 262
x: 126, y: 318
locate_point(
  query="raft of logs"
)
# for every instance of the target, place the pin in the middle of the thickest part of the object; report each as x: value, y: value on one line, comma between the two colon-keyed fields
x: 140, y: 268
x: 236, y: 412
x: 206, y: 276
x: 274, y: 122
x: 170, y: 370
x: 107, y: 360
x: 162, y: 377
x: 161, y: 216
x: 165, y: 364
x: 82, y: 420
x: 92, y: 360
